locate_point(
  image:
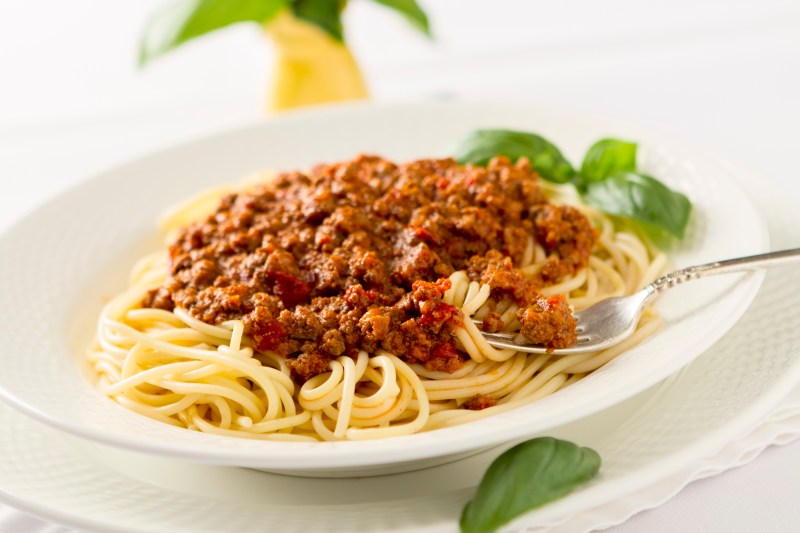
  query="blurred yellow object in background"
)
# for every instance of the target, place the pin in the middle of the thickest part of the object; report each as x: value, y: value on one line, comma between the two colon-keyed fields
x: 311, y: 66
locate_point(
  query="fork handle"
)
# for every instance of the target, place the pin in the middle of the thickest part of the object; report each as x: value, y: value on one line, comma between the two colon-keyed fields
x: 740, y: 264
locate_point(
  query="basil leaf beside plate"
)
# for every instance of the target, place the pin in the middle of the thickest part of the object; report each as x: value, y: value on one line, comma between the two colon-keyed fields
x: 607, y: 157
x: 525, y: 477
x: 482, y: 145
x: 641, y: 198
x: 182, y: 20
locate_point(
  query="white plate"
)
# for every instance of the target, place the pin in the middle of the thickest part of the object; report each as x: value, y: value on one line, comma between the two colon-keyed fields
x: 60, y: 262
x: 642, y: 441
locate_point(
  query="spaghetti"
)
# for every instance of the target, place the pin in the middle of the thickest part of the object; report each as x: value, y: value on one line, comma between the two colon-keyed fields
x: 173, y: 367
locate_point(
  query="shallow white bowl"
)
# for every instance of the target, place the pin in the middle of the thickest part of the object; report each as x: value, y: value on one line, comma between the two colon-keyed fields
x: 61, y: 262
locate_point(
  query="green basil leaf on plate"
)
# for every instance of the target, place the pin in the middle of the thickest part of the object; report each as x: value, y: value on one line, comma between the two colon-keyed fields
x: 641, y: 198
x: 525, y: 477
x: 325, y: 14
x: 412, y: 12
x: 482, y: 145
x: 179, y: 21
x: 607, y: 157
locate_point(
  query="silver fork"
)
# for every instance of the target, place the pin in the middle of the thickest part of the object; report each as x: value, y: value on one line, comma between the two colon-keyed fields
x: 611, y: 321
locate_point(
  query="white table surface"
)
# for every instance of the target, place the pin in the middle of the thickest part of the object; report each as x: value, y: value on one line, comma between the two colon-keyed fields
x: 726, y: 74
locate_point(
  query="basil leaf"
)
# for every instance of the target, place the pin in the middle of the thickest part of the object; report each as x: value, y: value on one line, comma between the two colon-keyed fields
x: 525, y: 477
x: 411, y: 11
x: 482, y: 145
x: 182, y: 20
x: 607, y: 157
x: 641, y: 198
x: 324, y: 14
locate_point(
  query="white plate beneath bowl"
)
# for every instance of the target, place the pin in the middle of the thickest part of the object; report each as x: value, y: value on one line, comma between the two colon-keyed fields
x: 78, y: 249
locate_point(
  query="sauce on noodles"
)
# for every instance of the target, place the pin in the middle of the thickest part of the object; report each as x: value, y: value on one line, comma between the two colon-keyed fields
x: 356, y: 256
x: 342, y: 303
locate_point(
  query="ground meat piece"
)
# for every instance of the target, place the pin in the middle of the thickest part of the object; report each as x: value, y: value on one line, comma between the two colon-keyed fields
x: 565, y: 232
x: 553, y: 270
x: 414, y: 265
x: 329, y: 272
x: 302, y: 323
x: 423, y: 291
x: 356, y: 255
x: 347, y: 219
x: 309, y: 364
x: 497, y: 271
x: 444, y: 358
x: 492, y: 322
x: 435, y: 314
x: 375, y: 324
x: 214, y: 303
x: 159, y: 298
x: 479, y: 402
x: 283, y: 262
x: 368, y: 267
x: 448, y: 365
x: 205, y: 271
x: 333, y: 342
x: 548, y: 321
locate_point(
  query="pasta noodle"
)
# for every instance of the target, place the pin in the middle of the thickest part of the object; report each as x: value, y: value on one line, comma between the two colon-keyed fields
x: 178, y: 370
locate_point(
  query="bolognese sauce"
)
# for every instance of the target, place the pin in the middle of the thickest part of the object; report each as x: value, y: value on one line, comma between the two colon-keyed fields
x: 355, y: 256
